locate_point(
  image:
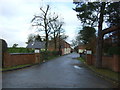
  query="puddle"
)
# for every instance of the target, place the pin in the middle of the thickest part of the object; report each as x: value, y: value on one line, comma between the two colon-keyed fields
x: 77, y: 67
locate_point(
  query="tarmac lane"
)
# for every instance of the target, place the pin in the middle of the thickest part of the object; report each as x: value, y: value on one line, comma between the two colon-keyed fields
x: 62, y: 72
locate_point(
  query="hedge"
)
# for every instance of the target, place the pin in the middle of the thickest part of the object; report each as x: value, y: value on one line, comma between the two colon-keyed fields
x: 20, y: 50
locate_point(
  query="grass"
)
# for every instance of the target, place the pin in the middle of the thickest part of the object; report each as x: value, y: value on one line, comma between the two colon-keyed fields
x: 106, y: 72
x: 15, y: 67
x: 102, y: 71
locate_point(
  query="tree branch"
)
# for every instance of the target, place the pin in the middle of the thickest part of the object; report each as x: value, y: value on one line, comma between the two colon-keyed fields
x: 52, y: 20
x: 111, y: 29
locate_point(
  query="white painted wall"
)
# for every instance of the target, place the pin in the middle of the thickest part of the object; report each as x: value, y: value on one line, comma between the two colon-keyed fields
x: 67, y: 50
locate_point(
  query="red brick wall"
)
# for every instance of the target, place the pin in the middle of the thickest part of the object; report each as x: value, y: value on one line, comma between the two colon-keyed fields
x: 18, y: 59
x: 116, y: 63
x: 110, y: 62
x: 107, y: 62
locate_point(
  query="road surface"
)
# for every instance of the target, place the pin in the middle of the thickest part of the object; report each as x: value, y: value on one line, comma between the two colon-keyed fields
x: 61, y: 72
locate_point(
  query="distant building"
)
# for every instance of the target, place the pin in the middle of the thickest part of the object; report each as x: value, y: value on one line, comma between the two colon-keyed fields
x: 80, y: 48
x: 65, y: 47
x: 61, y: 45
x: 36, y: 45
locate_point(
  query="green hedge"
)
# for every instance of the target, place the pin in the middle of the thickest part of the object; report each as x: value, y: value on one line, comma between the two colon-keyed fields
x: 114, y: 50
x: 44, y: 55
x: 20, y: 50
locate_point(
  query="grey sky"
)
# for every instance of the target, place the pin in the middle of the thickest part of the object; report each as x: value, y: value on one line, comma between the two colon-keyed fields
x: 15, y: 16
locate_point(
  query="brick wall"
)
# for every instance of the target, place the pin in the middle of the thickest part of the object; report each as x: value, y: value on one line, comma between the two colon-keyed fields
x: 110, y: 62
x: 19, y: 59
x: 107, y: 61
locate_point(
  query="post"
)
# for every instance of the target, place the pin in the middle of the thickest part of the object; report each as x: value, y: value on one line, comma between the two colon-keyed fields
x: 1, y: 64
x: 1, y: 54
x: 37, y: 56
x: 3, y: 49
x: 89, y: 57
x: 116, y: 63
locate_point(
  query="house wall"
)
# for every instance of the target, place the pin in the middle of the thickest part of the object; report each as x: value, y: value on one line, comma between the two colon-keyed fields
x: 65, y: 47
x: 19, y: 59
x: 66, y: 51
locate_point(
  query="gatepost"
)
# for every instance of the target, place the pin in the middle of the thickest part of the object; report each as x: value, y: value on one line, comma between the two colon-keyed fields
x: 0, y: 64
x: 37, y: 56
x: 89, y: 57
x: 116, y: 63
x: 1, y: 54
x: 3, y: 49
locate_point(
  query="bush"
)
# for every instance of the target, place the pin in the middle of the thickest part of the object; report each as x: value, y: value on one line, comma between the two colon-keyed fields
x: 114, y: 50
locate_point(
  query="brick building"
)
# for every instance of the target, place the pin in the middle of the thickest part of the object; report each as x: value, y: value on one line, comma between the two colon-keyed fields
x: 61, y: 45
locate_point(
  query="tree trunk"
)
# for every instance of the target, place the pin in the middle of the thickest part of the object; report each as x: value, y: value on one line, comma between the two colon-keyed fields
x: 99, y: 52
x: 55, y: 43
x: 100, y: 37
x: 46, y: 45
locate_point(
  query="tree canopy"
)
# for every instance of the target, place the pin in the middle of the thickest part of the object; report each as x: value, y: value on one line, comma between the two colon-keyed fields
x: 86, y: 34
x: 89, y: 12
x: 96, y: 14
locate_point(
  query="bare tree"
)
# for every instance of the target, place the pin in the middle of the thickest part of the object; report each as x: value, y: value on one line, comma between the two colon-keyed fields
x: 56, y: 27
x: 43, y: 21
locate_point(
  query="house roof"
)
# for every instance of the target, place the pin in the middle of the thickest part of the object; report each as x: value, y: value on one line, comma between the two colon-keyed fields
x: 63, y: 43
x: 36, y: 44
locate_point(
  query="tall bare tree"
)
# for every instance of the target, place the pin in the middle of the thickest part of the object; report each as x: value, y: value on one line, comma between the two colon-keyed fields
x: 43, y: 21
x: 56, y: 31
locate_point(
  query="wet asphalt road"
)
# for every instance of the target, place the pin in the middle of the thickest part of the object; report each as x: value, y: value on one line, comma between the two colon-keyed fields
x: 61, y: 72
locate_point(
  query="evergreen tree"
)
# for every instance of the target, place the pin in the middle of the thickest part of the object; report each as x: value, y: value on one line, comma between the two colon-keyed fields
x: 95, y: 14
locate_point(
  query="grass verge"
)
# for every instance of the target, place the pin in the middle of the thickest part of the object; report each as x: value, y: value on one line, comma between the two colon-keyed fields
x: 114, y: 76
x: 15, y: 67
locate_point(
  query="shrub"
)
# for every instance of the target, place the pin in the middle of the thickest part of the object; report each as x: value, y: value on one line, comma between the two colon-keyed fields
x: 20, y: 50
x: 114, y: 50
x: 46, y: 55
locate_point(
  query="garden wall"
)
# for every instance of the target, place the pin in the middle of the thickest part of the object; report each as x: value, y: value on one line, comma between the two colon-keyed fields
x: 110, y: 62
x: 19, y: 59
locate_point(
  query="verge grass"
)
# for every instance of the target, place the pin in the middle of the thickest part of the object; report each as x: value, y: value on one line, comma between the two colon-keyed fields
x: 15, y: 67
x: 103, y: 71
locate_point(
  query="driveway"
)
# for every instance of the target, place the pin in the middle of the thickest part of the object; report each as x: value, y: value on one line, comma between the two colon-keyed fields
x: 61, y: 72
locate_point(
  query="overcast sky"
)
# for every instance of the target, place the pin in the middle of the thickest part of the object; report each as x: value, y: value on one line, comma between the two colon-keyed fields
x: 15, y: 17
